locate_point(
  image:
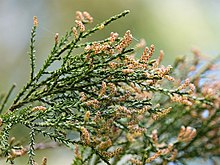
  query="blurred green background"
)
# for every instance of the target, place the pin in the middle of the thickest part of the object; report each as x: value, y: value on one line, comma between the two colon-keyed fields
x: 174, y: 26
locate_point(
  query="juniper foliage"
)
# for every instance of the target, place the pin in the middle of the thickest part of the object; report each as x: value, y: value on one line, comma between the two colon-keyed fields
x: 118, y: 106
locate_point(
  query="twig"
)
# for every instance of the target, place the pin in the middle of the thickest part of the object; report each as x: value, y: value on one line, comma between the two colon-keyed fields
x: 6, y: 98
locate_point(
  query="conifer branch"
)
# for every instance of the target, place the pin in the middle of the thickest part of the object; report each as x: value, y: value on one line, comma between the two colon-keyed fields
x: 115, y: 105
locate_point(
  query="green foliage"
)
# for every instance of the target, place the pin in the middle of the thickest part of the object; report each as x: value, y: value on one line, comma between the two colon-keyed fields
x: 117, y: 106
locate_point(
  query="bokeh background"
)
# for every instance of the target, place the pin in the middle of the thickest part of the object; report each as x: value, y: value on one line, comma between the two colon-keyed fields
x: 175, y: 26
